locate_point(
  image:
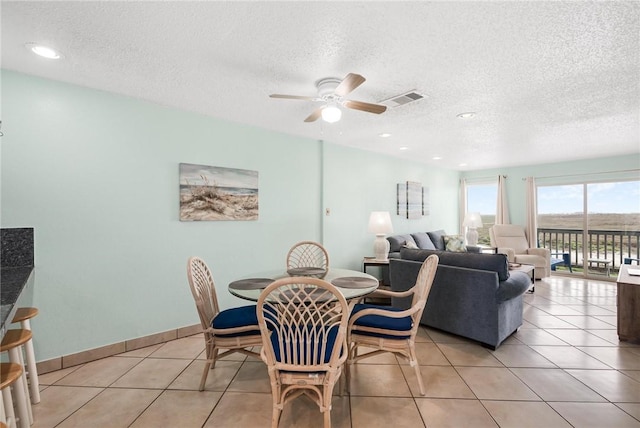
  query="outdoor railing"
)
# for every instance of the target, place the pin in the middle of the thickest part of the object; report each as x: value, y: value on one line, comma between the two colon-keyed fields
x: 612, y: 245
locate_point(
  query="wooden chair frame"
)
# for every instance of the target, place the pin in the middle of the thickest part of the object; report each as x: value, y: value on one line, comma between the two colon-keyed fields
x: 308, y: 254
x: 402, y: 345
x: 204, y: 294
x: 301, y: 311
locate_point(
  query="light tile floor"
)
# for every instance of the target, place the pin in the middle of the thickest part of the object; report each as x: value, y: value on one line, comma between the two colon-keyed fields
x: 564, y: 367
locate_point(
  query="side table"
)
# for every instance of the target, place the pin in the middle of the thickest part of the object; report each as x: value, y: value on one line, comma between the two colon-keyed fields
x: 371, y: 261
x: 628, y: 305
x: 372, y: 298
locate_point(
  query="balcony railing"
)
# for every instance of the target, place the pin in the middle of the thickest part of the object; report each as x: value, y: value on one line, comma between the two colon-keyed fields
x: 612, y: 245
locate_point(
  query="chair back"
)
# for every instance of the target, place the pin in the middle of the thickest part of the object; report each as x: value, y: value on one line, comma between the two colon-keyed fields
x: 308, y: 254
x: 303, y: 322
x: 424, y: 282
x: 509, y: 236
x: 203, y: 290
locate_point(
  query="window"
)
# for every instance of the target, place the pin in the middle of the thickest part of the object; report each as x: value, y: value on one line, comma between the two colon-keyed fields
x: 482, y: 198
x: 591, y: 221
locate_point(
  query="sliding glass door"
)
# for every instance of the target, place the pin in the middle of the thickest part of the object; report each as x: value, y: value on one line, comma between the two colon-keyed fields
x: 590, y: 228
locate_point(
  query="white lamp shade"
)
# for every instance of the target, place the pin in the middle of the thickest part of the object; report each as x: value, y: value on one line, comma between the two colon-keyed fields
x: 331, y: 114
x: 380, y: 223
x: 472, y: 220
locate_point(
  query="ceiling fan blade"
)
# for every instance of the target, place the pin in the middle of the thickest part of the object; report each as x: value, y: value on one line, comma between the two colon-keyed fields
x: 315, y: 115
x: 349, y: 83
x: 368, y: 107
x: 294, y: 97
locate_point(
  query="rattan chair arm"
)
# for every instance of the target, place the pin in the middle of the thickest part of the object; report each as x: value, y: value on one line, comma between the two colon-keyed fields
x: 385, y: 313
x: 389, y: 293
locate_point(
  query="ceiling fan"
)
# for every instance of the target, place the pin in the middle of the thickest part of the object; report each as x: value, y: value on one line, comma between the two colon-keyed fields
x: 332, y: 91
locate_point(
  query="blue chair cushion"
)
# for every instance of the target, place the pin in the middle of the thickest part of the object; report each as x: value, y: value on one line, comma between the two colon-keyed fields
x: 237, y: 317
x: 382, y: 322
x: 316, y: 345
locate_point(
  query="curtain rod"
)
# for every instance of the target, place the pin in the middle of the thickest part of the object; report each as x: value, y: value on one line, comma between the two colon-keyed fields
x: 483, y: 178
x: 586, y: 173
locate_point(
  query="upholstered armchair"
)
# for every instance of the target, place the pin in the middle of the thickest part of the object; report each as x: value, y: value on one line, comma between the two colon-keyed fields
x: 511, y: 240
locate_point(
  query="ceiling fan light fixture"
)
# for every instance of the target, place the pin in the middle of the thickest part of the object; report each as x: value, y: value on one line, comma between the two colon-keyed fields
x: 331, y: 114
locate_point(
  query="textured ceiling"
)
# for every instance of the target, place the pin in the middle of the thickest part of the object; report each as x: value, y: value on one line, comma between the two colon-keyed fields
x: 549, y: 81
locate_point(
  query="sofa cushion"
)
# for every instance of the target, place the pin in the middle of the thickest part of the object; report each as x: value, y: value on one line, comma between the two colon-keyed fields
x: 423, y: 241
x: 397, y: 241
x: 454, y: 243
x: 436, y: 237
x: 492, y: 262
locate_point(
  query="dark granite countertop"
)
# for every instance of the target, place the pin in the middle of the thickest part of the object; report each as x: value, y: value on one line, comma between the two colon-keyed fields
x: 13, y: 281
x: 16, y: 266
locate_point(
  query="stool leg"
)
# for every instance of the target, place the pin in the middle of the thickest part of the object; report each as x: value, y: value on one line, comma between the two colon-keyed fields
x: 9, y: 418
x: 15, y: 356
x: 31, y: 365
x: 33, y: 372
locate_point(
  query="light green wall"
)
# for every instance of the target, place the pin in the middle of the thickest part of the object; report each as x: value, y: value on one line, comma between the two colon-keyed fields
x: 96, y: 175
x: 358, y: 182
x: 602, y: 169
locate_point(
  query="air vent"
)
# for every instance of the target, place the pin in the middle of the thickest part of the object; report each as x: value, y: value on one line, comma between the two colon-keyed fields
x: 400, y: 100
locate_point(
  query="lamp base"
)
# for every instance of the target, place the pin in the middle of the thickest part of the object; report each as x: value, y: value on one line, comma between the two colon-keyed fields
x: 472, y: 236
x: 381, y: 248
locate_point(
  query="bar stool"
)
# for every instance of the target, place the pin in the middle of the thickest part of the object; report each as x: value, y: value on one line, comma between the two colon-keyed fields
x: 10, y: 374
x: 23, y: 315
x: 12, y: 342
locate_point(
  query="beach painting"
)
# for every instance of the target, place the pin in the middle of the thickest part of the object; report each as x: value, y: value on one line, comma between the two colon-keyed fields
x: 211, y: 193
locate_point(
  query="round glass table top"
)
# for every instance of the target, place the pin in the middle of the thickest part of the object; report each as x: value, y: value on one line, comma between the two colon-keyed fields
x: 351, y: 283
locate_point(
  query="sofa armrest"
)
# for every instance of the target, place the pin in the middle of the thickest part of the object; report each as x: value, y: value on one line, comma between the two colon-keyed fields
x: 510, y: 253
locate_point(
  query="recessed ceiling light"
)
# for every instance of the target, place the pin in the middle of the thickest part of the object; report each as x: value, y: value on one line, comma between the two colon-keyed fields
x: 462, y: 164
x: 467, y: 115
x: 43, y: 51
x: 404, y: 148
x: 384, y: 135
x: 436, y: 157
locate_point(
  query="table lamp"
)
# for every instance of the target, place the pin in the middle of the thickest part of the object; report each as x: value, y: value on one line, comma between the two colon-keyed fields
x: 472, y: 221
x: 380, y: 224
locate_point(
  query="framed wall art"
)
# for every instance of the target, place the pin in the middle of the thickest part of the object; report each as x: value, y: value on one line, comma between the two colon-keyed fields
x: 211, y: 193
x: 412, y: 200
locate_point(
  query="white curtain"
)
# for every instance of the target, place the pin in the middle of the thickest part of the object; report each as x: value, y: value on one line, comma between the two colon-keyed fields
x: 531, y: 228
x: 462, y: 204
x: 502, y: 210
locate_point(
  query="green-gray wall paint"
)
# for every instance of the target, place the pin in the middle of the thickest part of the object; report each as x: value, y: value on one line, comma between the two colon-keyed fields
x: 96, y: 175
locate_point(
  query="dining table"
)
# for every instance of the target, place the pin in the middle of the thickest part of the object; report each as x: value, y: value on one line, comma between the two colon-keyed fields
x: 352, y: 284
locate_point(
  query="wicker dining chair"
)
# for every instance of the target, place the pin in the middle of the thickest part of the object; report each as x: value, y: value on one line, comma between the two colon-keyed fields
x: 391, y: 330
x: 234, y: 329
x: 308, y: 254
x: 303, y: 322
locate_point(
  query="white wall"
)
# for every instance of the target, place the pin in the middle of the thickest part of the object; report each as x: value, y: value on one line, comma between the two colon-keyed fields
x: 96, y: 175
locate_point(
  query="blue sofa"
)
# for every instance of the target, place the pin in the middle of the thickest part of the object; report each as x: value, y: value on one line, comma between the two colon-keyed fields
x: 473, y: 295
x: 421, y: 240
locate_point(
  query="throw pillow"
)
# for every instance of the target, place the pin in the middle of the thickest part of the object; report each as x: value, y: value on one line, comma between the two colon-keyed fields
x: 410, y: 244
x: 455, y: 243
